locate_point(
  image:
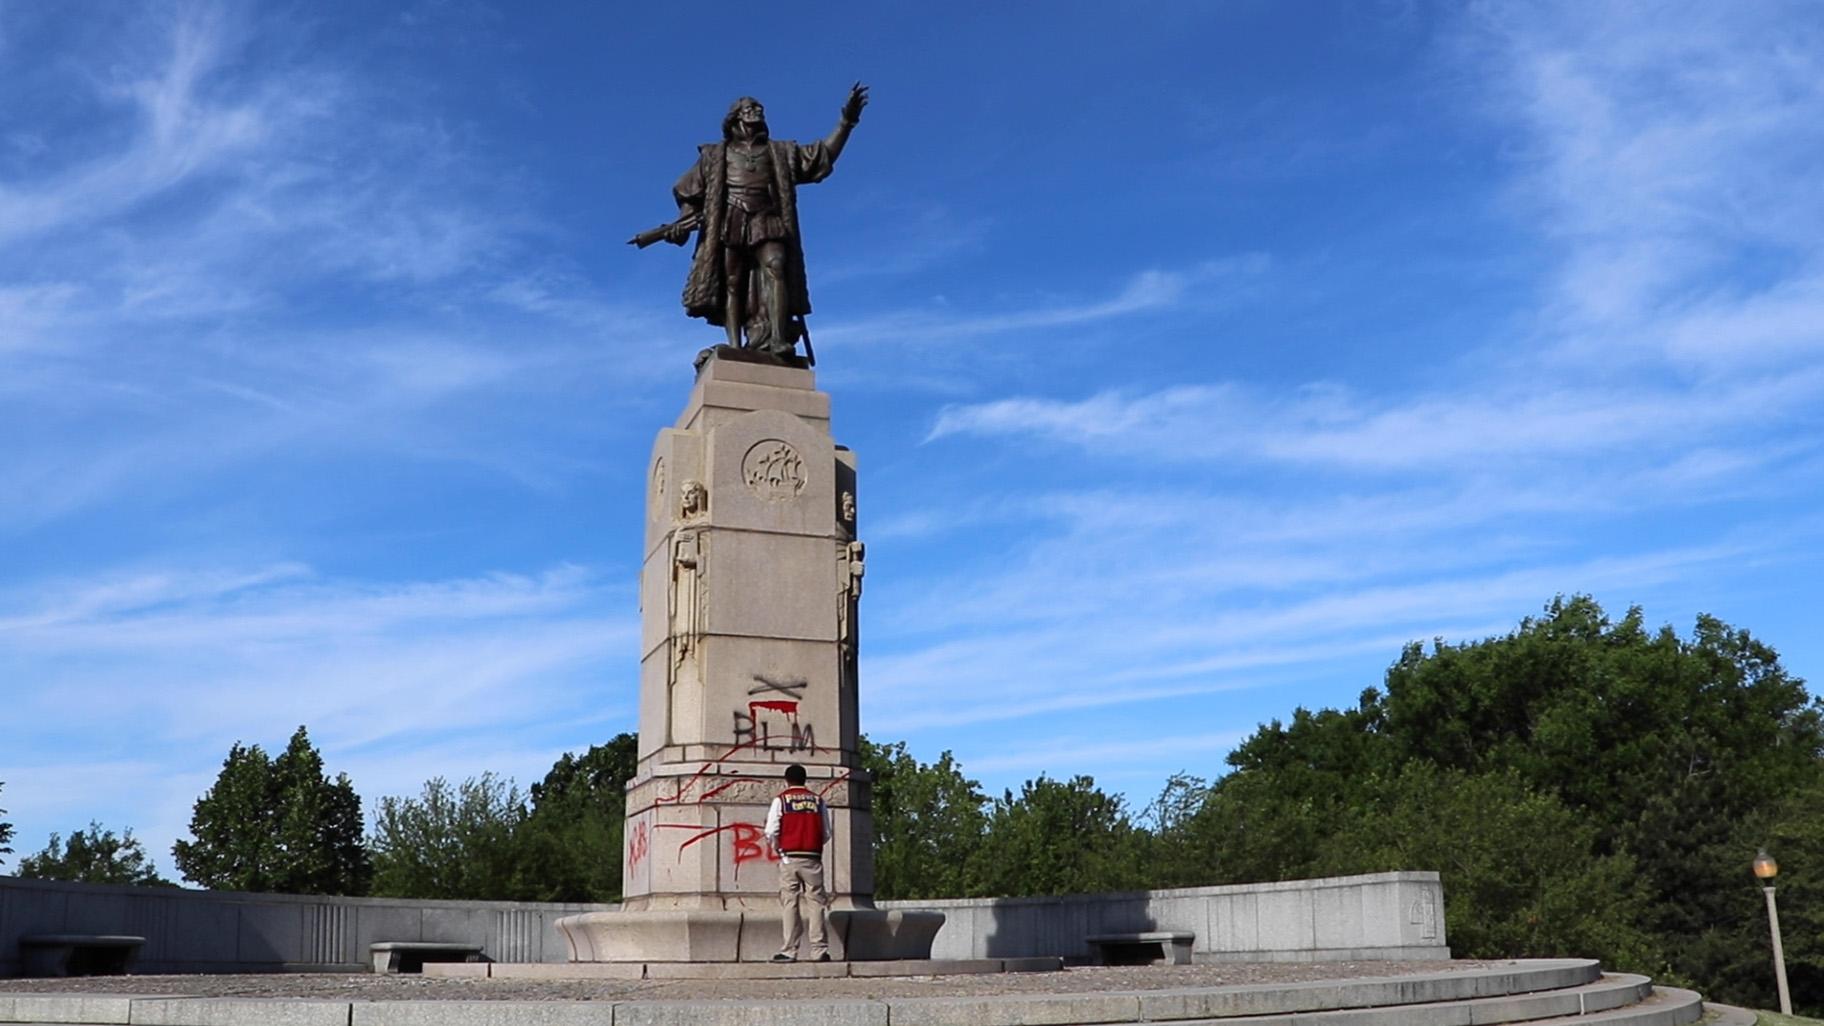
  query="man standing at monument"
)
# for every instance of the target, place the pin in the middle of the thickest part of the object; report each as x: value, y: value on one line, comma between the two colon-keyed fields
x: 741, y: 197
x: 798, y: 826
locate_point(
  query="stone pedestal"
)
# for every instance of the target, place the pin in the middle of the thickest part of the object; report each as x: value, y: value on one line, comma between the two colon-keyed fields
x: 748, y: 599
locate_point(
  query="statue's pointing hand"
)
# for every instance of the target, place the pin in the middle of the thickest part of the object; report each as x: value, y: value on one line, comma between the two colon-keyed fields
x: 858, y: 98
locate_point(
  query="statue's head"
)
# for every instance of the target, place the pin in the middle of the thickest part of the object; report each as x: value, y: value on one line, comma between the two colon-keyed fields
x: 695, y: 498
x: 745, y: 117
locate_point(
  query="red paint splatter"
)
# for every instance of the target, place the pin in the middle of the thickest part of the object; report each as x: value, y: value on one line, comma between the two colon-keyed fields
x: 680, y: 790
x: 831, y: 786
x: 748, y: 838
x: 749, y: 846
x: 712, y: 792
x: 639, y: 845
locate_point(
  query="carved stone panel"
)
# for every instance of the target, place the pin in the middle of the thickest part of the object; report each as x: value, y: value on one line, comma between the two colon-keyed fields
x: 770, y: 471
x: 774, y: 471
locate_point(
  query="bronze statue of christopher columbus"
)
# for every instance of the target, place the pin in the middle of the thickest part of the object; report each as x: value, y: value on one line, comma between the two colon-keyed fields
x: 741, y: 199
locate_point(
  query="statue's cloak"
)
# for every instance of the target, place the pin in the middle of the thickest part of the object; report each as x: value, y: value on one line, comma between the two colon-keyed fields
x: 704, y: 190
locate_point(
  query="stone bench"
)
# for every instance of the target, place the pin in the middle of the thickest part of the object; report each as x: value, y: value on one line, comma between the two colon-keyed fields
x: 1169, y: 946
x: 77, y: 954
x: 410, y: 956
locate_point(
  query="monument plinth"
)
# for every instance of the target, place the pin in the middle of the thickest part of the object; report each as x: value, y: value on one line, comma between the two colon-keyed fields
x: 749, y: 599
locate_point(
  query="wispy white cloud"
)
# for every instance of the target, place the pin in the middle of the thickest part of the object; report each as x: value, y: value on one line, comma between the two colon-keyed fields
x: 1668, y: 154
x: 159, y: 276
x: 399, y: 681
x: 1145, y: 292
x: 1328, y: 426
x: 180, y: 134
x: 1246, y: 534
x: 364, y: 662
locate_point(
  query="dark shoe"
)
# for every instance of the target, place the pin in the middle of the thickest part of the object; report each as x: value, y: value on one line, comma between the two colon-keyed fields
x: 825, y: 957
x: 783, y: 957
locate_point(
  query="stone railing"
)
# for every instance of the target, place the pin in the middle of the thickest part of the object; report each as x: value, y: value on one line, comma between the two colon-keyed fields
x: 1384, y: 916
x: 226, y: 931
x: 1380, y: 916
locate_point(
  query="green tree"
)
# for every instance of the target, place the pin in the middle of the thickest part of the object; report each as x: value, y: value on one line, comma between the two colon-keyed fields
x: 1670, y: 746
x: 450, y: 842
x: 1793, y: 832
x: 928, y: 821
x: 1268, y: 818
x: 1637, y: 747
x: 1522, y: 875
x: 571, y: 846
x: 1057, y: 837
x: 1175, y: 855
x: 94, y: 855
x: 277, y: 825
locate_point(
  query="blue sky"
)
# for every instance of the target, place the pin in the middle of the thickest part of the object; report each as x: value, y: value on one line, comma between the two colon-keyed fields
x: 1198, y: 356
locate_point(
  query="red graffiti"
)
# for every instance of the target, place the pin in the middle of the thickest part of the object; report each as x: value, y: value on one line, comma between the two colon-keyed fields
x: 639, y: 845
x: 796, y: 737
x: 831, y: 786
x: 680, y: 790
x: 718, y: 789
x: 750, y: 844
x: 748, y: 841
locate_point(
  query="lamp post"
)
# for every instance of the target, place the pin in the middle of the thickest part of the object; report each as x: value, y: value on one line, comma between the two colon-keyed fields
x: 1767, y: 869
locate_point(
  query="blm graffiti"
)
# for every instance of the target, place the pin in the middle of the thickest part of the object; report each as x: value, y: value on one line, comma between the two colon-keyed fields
x: 771, y: 721
x: 747, y: 840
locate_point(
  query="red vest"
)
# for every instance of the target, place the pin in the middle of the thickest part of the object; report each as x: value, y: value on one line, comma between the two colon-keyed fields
x: 800, y: 822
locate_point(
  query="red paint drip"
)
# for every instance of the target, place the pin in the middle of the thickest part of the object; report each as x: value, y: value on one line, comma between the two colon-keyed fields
x: 679, y: 792
x: 747, y: 838
x: 827, y: 788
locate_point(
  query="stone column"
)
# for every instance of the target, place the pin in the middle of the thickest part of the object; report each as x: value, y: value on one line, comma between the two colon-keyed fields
x: 745, y: 595
x: 749, y: 607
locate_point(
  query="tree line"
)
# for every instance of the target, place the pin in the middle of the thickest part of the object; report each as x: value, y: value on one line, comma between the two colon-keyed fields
x: 1585, y: 786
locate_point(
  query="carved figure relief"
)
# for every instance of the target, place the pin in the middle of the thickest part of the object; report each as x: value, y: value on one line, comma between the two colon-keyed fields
x: 688, y: 593
x: 773, y: 470
x: 658, y: 486
x: 848, y: 508
x: 850, y: 566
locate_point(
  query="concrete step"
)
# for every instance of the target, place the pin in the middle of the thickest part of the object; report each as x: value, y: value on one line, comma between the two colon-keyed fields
x: 1591, y: 1003
x: 1666, y: 1006
x: 1537, y: 994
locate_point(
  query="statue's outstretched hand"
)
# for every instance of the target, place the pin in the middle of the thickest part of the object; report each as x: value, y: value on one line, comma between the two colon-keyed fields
x: 858, y: 98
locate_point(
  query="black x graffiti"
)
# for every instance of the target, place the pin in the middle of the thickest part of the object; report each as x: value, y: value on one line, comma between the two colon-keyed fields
x: 791, y: 687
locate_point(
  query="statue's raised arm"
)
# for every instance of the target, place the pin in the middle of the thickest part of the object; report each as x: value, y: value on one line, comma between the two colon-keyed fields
x: 851, y: 116
x: 741, y: 198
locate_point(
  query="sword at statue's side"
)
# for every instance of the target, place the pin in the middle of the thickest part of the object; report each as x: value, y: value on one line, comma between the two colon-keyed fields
x: 675, y: 232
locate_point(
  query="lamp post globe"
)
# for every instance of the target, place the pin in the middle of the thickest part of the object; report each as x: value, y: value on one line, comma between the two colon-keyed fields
x: 1766, y: 869
x: 1764, y: 866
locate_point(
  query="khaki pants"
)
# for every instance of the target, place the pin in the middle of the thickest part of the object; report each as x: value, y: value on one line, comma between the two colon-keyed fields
x: 802, y: 878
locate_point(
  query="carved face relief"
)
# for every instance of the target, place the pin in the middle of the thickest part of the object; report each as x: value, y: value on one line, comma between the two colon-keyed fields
x: 773, y: 470
x: 694, y: 500
x: 848, y: 507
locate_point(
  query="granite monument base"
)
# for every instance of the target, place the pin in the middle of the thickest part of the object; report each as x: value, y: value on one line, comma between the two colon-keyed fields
x: 752, y: 935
